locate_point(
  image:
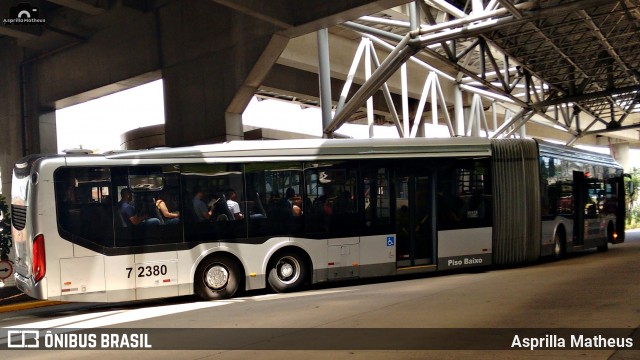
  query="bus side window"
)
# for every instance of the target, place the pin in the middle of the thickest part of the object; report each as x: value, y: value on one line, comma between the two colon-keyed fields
x: 376, y: 196
x: 332, y: 191
x: 213, y: 202
x: 276, y: 202
x: 464, y: 194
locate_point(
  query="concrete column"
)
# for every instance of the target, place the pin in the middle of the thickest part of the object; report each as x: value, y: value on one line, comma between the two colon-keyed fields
x: 11, y: 144
x: 211, y: 69
x: 47, y: 129
x: 620, y: 153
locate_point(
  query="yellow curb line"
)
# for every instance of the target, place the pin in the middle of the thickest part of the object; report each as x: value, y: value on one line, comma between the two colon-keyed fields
x: 29, y: 305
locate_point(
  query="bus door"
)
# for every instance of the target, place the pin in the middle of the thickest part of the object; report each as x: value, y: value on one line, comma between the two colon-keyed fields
x: 415, y: 224
x: 579, y: 205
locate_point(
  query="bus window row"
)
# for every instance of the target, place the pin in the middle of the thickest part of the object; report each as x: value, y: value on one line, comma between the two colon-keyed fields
x: 148, y: 205
x: 566, y: 184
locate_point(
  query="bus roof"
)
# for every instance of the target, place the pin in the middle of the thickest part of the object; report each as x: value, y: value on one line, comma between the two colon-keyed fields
x: 566, y: 152
x: 318, y: 147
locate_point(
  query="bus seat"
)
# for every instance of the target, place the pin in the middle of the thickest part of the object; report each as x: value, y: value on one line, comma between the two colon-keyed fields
x: 258, y: 205
x: 157, y: 213
x: 120, y: 222
x: 228, y: 211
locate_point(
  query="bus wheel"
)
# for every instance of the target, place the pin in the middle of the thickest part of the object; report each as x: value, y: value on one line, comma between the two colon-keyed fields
x: 559, y: 246
x: 604, y: 247
x: 217, y: 277
x: 610, y: 230
x: 287, y: 272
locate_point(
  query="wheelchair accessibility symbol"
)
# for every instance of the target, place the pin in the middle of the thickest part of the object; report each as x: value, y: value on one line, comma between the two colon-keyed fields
x: 391, y: 241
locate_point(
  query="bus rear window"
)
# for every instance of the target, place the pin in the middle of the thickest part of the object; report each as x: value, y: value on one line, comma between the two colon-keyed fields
x: 84, y: 204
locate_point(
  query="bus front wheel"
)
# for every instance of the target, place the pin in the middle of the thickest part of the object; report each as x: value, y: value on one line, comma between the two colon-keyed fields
x: 217, y: 277
x: 287, y: 272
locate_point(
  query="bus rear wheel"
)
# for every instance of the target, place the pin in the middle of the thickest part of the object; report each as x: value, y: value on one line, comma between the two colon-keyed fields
x: 287, y: 272
x: 217, y: 277
x: 610, y: 231
x: 559, y: 246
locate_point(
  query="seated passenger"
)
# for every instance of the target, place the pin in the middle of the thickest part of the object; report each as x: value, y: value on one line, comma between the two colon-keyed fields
x: 168, y: 216
x: 233, y: 205
x: 294, y: 203
x: 131, y: 217
x: 218, y: 208
x: 202, y: 212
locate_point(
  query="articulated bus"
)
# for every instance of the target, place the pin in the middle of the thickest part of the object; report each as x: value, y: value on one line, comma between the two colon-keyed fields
x: 255, y: 214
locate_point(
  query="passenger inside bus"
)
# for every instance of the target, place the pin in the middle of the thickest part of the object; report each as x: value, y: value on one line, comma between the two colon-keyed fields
x: 294, y: 202
x: 162, y: 206
x: 233, y: 205
x: 218, y: 208
x: 133, y: 216
x: 202, y: 212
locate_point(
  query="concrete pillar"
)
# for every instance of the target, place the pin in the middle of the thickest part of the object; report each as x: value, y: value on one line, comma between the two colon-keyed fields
x: 11, y: 144
x: 211, y: 69
x: 47, y: 131
x: 620, y: 152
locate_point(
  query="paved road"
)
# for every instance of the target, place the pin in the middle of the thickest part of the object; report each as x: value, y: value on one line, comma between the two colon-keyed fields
x: 585, y: 293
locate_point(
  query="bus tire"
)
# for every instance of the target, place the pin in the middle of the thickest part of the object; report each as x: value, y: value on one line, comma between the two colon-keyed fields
x: 610, y: 230
x: 287, y: 272
x: 604, y: 247
x: 217, y: 277
x: 559, y: 246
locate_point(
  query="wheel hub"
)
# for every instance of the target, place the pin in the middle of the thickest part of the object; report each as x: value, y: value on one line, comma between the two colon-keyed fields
x: 217, y: 277
x: 286, y: 270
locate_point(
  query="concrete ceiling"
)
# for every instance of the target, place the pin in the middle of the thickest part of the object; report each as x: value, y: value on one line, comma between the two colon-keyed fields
x: 581, y: 56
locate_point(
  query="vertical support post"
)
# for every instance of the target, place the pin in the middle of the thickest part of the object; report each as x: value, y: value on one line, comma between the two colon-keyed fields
x: 324, y: 72
x: 523, y: 131
x: 483, y: 65
x: 414, y: 16
x: 458, y: 110
x: 477, y: 111
x: 494, y: 116
x: 405, y: 100
x: 367, y: 74
x: 434, y: 100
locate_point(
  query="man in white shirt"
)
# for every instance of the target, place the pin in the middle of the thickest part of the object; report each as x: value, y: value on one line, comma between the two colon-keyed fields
x: 233, y: 205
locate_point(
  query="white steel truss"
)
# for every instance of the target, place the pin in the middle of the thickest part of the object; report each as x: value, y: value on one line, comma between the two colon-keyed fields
x: 520, y: 61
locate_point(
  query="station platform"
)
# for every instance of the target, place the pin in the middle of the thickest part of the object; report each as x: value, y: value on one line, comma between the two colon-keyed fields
x: 12, y: 299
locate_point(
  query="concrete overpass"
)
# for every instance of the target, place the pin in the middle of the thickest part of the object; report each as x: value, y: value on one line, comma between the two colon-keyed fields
x: 568, y: 70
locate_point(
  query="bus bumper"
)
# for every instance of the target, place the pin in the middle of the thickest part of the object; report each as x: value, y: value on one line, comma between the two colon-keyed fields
x: 34, y: 290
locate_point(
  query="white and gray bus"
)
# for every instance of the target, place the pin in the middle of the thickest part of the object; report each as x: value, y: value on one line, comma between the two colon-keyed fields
x: 253, y: 214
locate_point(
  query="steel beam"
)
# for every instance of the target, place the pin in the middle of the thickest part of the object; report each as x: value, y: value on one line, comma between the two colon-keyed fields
x: 324, y: 72
x: 394, y: 60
